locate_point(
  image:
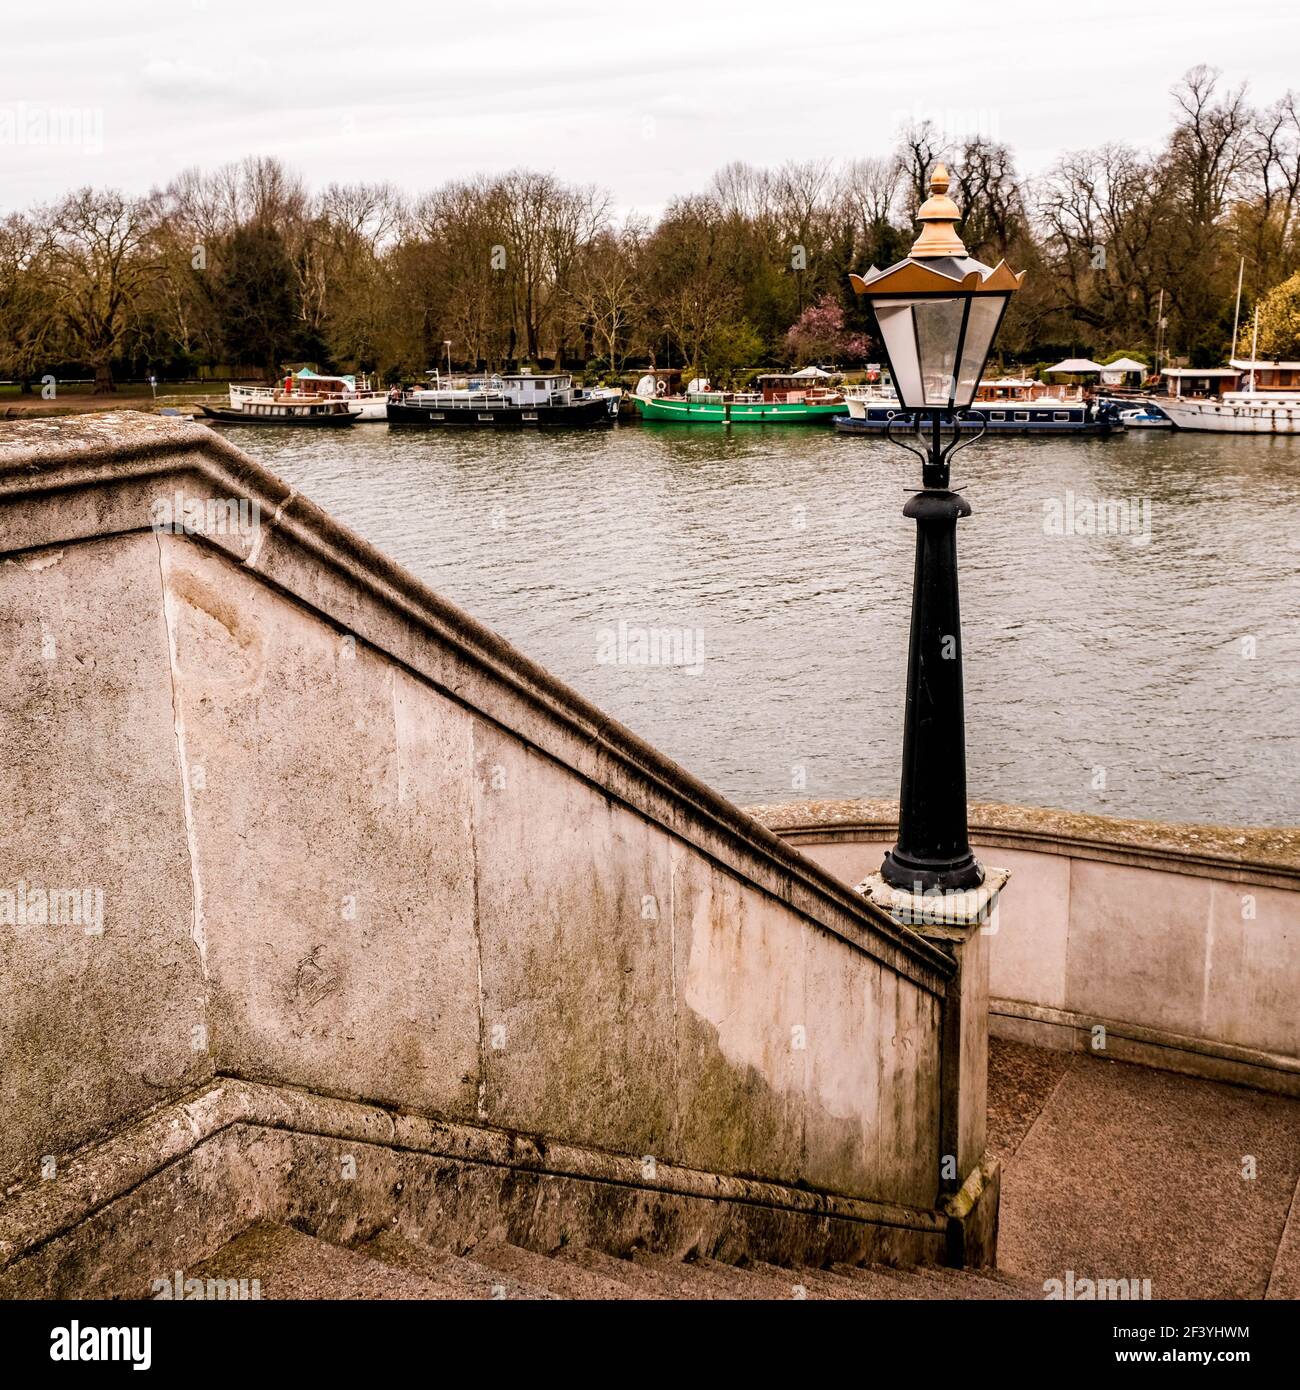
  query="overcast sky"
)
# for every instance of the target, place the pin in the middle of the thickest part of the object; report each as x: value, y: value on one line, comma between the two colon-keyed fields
x: 646, y: 100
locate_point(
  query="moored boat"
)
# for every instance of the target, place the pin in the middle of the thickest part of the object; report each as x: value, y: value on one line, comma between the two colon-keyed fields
x: 368, y: 403
x: 1008, y: 405
x: 507, y: 401
x: 1270, y: 403
x: 296, y: 409
x: 782, y: 399
x: 1143, y: 417
x: 1237, y: 412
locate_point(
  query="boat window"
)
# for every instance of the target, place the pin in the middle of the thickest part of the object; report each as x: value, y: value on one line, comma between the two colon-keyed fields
x: 1060, y: 415
x: 997, y: 414
x: 1022, y: 415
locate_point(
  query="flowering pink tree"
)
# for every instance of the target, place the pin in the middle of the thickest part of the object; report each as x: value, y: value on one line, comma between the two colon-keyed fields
x: 818, y: 335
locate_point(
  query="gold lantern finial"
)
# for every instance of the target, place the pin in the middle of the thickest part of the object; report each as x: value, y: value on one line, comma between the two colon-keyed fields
x: 937, y: 215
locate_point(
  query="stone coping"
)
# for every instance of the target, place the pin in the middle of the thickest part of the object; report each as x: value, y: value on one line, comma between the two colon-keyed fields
x: 106, y: 465
x: 1234, y: 850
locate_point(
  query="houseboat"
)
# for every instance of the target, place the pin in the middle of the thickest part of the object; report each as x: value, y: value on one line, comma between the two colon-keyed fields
x: 1009, y: 405
x: 794, y: 398
x: 369, y: 403
x: 509, y: 401
x: 1269, y: 403
x: 283, y: 408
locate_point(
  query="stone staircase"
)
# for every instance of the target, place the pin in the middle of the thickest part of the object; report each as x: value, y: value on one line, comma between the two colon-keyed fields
x: 1179, y: 1212
x: 291, y: 1265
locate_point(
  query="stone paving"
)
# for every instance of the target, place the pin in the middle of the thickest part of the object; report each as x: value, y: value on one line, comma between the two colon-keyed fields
x: 1116, y: 1171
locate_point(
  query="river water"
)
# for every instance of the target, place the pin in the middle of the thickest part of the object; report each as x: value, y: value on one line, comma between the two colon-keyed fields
x: 1153, y: 673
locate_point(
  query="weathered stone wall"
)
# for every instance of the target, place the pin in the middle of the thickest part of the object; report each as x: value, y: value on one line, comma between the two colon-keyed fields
x: 1182, y: 943
x: 348, y: 841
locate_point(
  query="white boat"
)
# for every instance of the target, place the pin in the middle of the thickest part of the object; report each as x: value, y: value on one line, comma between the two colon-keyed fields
x: 1237, y: 412
x: 368, y: 404
x: 503, y: 400
x: 1269, y: 404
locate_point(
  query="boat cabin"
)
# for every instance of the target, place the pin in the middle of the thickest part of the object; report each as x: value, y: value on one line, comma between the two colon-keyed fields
x: 1016, y: 388
x: 1269, y: 376
x: 507, y: 388
x: 811, y: 383
x: 1200, y: 382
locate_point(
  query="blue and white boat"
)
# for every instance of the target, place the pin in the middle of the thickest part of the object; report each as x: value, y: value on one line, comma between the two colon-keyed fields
x: 1009, y: 405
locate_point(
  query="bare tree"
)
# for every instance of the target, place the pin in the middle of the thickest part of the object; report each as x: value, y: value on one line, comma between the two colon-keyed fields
x: 98, y: 265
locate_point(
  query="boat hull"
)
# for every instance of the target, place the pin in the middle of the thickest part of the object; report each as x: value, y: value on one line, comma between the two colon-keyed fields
x: 333, y: 420
x: 737, y: 413
x: 1215, y: 417
x: 584, y: 414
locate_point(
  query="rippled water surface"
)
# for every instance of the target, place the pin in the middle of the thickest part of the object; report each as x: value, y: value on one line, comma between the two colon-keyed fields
x: 1158, y: 679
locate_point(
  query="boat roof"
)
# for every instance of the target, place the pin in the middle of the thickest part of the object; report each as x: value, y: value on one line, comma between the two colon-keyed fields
x: 1261, y: 365
x: 1199, y: 371
x: 1125, y: 364
x: 308, y: 375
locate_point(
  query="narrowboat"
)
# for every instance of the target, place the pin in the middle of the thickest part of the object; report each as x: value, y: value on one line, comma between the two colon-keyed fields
x: 1009, y: 405
x: 510, y: 401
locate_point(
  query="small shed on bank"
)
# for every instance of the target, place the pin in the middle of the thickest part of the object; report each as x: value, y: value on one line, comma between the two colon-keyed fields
x: 1075, y: 366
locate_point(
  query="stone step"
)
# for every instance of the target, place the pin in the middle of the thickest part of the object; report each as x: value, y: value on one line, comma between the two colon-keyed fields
x: 938, y: 1282
x: 562, y: 1277
x: 676, y: 1281
x: 924, y: 1283
x: 734, y: 1280
x: 474, y: 1279
x: 288, y: 1264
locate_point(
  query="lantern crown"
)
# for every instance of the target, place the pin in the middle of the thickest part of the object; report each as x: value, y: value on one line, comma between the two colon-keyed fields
x: 937, y: 215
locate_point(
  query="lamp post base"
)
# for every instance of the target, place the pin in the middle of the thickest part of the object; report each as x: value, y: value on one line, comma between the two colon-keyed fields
x: 902, y: 870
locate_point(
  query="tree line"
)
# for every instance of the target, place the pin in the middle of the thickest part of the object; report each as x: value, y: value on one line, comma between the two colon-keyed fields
x: 245, y: 268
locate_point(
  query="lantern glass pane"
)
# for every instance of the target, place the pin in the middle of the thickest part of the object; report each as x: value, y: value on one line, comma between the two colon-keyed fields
x: 899, y: 333
x: 985, y: 312
x: 938, y: 330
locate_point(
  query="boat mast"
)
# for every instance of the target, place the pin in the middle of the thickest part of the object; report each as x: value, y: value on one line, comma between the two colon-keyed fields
x: 1236, y: 316
x: 1160, y: 328
x: 1254, y: 348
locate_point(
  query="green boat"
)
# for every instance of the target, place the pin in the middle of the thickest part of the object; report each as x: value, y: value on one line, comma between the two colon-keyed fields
x: 781, y: 400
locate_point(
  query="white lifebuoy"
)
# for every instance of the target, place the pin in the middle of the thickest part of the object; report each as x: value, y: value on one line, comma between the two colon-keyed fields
x: 661, y: 388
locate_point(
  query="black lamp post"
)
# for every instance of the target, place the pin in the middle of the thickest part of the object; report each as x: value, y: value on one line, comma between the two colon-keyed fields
x: 938, y: 312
